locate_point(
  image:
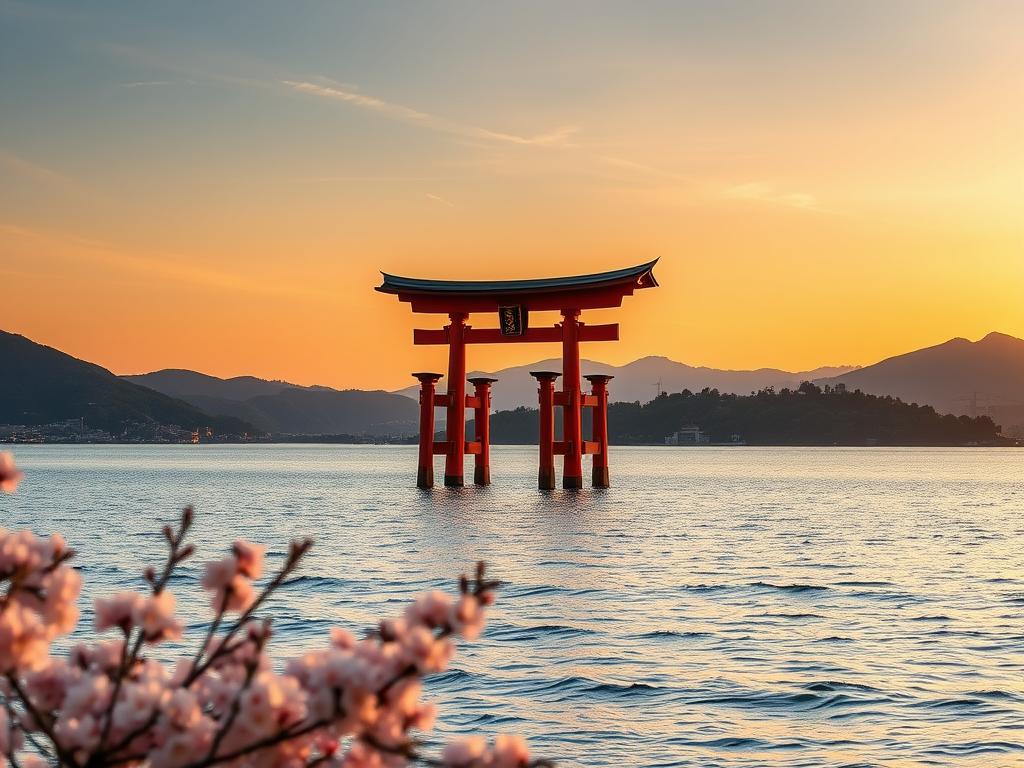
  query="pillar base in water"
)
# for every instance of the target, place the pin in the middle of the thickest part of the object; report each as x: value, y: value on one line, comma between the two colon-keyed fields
x: 600, y: 477
x: 425, y: 477
x: 454, y: 481
x: 482, y: 475
x: 546, y: 480
x: 572, y: 482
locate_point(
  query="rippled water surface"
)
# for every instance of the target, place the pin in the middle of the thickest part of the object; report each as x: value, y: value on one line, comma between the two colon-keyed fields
x: 716, y: 607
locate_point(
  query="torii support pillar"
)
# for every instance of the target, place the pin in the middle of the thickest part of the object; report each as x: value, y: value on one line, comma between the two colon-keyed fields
x: 482, y: 429
x: 572, y: 433
x: 546, y: 398
x: 425, y: 472
x: 598, y: 401
x: 455, y: 427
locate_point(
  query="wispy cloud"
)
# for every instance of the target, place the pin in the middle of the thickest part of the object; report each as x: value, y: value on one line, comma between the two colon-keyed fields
x: 29, y: 169
x: 402, y: 113
x: 768, y: 193
x: 175, y: 267
x: 148, y: 83
x: 643, y: 168
x: 372, y: 177
x: 441, y: 200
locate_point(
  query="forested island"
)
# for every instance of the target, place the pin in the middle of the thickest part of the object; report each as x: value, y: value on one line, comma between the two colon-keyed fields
x: 810, y: 415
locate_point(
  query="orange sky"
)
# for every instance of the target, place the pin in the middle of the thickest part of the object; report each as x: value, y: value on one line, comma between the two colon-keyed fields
x: 823, y: 184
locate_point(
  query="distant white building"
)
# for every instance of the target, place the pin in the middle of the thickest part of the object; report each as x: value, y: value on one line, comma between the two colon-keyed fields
x: 688, y: 435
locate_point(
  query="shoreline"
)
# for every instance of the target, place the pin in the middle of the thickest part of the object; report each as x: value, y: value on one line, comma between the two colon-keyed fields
x: 310, y: 440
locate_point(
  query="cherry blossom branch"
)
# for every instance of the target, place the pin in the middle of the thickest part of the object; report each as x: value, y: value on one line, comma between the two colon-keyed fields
x: 44, y: 724
x: 109, y: 705
x: 250, y: 670
x: 108, y: 716
x: 296, y: 551
x: 286, y: 734
x: 175, y: 555
x: 479, y: 588
x: 409, y: 752
x: 130, y: 737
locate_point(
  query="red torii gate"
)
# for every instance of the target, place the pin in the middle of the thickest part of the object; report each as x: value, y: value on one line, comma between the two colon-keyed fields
x: 513, y: 300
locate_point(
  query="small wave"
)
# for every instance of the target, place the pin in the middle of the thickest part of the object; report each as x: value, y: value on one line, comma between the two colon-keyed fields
x: 451, y: 676
x: 703, y: 588
x: 761, y: 700
x: 960, y: 703
x: 577, y: 686
x: 306, y: 580
x: 975, y: 748
x: 730, y: 742
x: 837, y: 685
x: 541, y: 630
x: 541, y: 589
x: 790, y: 587
x: 616, y: 690
x: 995, y: 694
x: 663, y: 634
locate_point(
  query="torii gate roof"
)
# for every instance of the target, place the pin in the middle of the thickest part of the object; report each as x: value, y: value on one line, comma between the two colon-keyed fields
x: 601, y: 289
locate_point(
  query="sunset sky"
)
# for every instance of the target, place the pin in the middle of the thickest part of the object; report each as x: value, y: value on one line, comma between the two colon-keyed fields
x: 215, y: 185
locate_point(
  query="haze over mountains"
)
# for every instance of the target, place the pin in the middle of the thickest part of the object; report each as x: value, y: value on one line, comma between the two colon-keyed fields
x: 282, y: 407
x: 39, y: 384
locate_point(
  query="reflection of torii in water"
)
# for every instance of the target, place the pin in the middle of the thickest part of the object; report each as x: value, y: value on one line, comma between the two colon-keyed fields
x: 512, y: 301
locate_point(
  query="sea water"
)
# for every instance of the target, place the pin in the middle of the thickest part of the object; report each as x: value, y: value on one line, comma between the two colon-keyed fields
x: 715, y: 607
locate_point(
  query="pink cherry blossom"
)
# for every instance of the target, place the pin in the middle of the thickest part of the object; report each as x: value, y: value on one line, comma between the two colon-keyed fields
x: 467, y: 617
x: 109, y: 702
x: 219, y: 573
x: 465, y: 752
x: 431, y: 609
x: 117, y: 611
x: 230, y: 584
x: 240, y: 594
x: 250, y: 558
x: 10, y: 476
x: 155, y: 617
x: 89, y: 695
x: 48, y: 684
x: 510, y: 752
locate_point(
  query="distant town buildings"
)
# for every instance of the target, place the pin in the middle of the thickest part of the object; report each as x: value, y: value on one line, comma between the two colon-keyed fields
x: 691, y: 434
x: 688, y: 435
x: 77, y: 431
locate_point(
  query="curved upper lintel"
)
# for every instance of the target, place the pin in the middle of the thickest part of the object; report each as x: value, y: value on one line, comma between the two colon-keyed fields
x: 601, y: 289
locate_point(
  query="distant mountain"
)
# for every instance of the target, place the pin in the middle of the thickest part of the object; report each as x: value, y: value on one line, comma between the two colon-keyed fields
x: 178, y: 382
x: 638, y: 381
x: 984, y: 377
x: 279, y: 406
x: 41, y: 385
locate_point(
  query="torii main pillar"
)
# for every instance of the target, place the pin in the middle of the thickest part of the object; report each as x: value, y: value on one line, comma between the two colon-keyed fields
x: 513, y: 301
